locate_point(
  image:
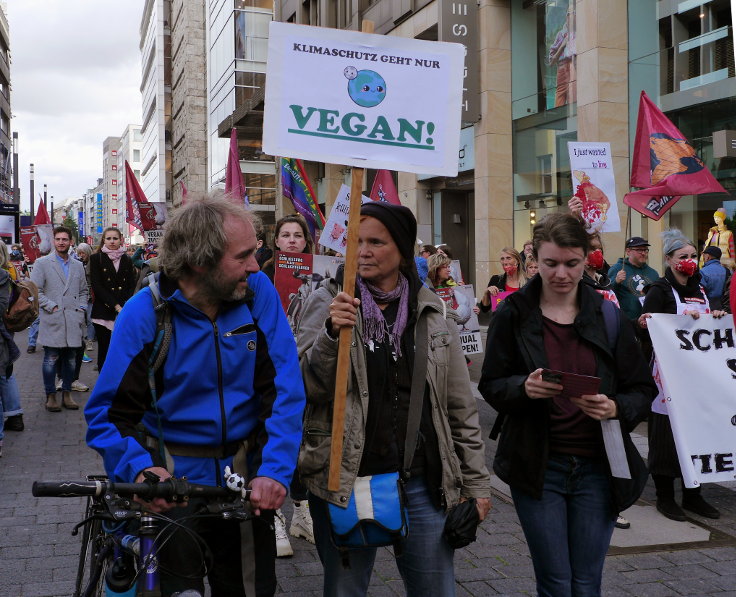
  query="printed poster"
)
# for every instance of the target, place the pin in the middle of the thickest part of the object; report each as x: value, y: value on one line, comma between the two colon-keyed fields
x: 462, y: 300
x: 697, y: 368
x: 346, y: 97
x: 335, y: 234
x: 296, y: 276
x: 593, y: 180
x: 498, y: 299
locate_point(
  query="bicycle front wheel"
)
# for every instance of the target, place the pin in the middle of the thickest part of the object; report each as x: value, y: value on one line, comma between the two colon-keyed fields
x: 93, y: 561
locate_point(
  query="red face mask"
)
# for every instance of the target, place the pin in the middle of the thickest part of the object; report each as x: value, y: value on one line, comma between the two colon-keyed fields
x: 595, y: 259
x: 510, y: 268
x: 687, y: 267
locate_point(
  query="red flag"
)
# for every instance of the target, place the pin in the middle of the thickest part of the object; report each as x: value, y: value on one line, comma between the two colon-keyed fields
x: 384, y: 189
x: 138, y: 211
x: 42, y: 216
x: 234, y: 184
x: 664, y: 164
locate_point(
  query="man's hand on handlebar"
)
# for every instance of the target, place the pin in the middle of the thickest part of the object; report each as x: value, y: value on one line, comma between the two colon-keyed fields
x: 267, y: 494
x: 157, y: 504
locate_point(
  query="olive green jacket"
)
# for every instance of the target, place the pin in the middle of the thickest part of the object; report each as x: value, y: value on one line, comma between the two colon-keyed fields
x: 454, y: 410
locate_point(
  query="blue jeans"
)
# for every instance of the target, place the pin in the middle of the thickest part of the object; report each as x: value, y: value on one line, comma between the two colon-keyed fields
x: 33, y: 332
x: 90, y: 325
x: 10, y: 394
x: 568, y: 531
x: 67, y: 357
x: 425, y: 564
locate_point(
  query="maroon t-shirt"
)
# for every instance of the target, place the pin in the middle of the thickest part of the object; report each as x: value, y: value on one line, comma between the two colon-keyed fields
x: 571, y: 430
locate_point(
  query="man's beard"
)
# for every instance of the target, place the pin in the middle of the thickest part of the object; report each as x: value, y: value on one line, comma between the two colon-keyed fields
x: 220, y: 290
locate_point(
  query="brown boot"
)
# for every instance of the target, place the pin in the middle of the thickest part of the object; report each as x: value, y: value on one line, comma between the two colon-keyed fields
x: 67, y: 402
x: 52, y: 403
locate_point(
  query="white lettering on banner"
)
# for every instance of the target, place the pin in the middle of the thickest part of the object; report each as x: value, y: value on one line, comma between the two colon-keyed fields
x: 697, y: 359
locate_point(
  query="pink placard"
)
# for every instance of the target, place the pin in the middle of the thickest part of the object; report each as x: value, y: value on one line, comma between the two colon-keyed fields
x: 496, y: 300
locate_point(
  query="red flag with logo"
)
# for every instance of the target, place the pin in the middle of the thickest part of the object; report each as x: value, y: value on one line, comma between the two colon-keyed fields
x: 138, y: 211
x: 234, y: 184
x: 42, y: 216
x: 384, y: 189
x: 664, y: 164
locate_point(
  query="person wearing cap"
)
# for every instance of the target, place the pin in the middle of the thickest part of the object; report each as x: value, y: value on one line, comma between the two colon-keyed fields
x: 713, y: 275
x: 448, y: 465
x: 630, y: 275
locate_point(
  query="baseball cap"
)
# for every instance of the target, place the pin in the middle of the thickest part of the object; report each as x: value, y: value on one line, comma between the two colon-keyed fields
x: 714, y: 252
x: 637, y: 241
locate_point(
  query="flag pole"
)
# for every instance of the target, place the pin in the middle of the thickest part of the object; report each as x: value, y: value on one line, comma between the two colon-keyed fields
x: 343, y: 350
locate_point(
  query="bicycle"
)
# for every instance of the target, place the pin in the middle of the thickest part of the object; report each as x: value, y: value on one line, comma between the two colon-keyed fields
x: 117, y: 560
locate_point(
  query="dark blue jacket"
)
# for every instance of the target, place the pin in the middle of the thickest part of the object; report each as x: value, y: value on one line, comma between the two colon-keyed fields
x: 224, y: 381
x: 712, y: 278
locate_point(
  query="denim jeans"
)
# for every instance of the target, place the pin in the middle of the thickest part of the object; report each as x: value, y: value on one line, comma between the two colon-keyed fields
x: 568, y: 531
x: 68, y: 357
x: 33, y: 332
x: 425, y: 564
x: 90, y: 325
x: 10, y: 395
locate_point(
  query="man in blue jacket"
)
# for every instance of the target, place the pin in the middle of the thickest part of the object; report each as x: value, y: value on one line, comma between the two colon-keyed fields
x: 713, y: 276
x: 229, y: 391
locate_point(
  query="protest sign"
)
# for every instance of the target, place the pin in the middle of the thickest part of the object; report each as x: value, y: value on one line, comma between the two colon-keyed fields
x: 334, y: 235
x: 383, y: 102
x: 296, y: 276
x: 697, y: 363
x: 498, y: 298
x: 462, y: 300
x: 592, y: 173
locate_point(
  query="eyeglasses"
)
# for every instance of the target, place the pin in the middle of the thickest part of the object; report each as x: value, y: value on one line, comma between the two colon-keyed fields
x: 640, y: 249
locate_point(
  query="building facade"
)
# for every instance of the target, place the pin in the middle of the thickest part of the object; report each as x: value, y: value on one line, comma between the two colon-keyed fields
x: 111, y: 175
x: 131, y: 146
x: 155, y: 47
x: 6, y: 144
x: 543, y: 73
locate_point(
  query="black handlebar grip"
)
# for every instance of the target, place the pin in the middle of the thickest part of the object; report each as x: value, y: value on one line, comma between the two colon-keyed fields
x: 67, y: 488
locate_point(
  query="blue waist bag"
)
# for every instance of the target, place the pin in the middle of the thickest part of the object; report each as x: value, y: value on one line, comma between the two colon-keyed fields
x: 375, y: 515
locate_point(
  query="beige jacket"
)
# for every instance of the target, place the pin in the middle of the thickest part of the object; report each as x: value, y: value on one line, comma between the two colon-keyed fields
x: 454, y: 411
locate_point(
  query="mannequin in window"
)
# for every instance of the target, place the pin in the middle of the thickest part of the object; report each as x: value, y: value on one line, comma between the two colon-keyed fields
x: 721, y: 237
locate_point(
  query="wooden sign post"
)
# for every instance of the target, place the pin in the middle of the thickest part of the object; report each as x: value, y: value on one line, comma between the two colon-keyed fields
x: 343, y: 350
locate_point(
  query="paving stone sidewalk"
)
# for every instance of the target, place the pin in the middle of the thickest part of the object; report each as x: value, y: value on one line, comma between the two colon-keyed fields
x: 38, y: 555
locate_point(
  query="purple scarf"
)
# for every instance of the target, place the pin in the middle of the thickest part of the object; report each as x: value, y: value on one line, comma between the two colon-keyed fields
x: 374, y: 324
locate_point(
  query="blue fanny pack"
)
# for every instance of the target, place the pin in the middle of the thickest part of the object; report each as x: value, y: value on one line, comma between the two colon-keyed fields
x: 375, y: 515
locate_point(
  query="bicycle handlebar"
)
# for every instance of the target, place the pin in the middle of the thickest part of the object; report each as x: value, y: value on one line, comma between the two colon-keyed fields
x: 170, y: 489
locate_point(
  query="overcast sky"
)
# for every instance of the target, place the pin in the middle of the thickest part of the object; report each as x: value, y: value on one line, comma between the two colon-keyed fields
x: 75, y: 78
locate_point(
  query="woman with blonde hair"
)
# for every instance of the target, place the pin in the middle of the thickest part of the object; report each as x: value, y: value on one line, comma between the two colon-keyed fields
x: 511, y: 280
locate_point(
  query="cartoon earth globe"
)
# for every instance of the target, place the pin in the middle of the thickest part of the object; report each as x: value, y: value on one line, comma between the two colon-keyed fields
x: 366, y: 87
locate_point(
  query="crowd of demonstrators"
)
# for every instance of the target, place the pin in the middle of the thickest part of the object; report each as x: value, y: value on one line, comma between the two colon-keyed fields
x: 113, y: 279
x: 291, y: 234
x: 513, y: 277
x: 230, y: 393
x: 631, y: 275
x: 448, y: 464
x: 62, y: 297
x: 678, y: 292
x: 550, y: 450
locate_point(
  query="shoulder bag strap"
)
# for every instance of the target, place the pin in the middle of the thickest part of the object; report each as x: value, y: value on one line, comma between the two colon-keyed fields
x: 416, y: 399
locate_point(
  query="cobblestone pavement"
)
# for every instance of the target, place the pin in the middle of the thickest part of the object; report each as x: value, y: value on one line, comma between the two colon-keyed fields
x: 38, y: 555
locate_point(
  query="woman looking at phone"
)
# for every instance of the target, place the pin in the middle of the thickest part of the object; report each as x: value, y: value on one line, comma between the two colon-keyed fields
x: 551, y: 448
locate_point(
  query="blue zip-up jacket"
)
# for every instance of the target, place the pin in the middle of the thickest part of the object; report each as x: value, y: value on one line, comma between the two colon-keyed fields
x: 224, y: 381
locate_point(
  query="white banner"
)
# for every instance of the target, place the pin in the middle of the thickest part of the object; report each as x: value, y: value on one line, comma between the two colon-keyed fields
x: 697, y: 360
x: 593, y: 181
x: 335, y: 234
x: 365, y: 100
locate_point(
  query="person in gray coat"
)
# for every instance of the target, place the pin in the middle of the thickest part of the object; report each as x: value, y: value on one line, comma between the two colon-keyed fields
x: 62, y: 298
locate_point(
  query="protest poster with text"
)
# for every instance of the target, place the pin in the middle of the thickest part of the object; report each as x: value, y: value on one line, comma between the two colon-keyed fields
x: 296, y: 276
x: 593, y: 180
x: 334, y: 235
x: 362, y: 99
x: 697, y: 363
x: 462, y: 300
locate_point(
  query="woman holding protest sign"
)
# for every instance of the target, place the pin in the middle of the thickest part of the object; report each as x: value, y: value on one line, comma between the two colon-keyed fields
x: 291, y: 235
x: 513, y: 277
x: 410, y: 416
x: 678, y: 292
x: 560, y: 362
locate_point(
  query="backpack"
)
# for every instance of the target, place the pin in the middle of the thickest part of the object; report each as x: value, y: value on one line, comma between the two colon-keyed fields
x: 23, y: 307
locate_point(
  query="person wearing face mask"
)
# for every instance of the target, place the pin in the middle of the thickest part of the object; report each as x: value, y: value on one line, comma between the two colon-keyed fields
x: 678, y: 292
x: 113, y: 278
x: 596, y: 268
x: 511, y: 280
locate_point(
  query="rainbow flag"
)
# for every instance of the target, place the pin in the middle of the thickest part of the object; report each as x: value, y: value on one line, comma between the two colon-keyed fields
x: 298, y: 189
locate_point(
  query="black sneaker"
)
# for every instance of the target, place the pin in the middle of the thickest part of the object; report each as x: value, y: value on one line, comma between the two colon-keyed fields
x: 698, y: 505
x: 31, y: 349
x: 14, y: 423
x: 669, y: 508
